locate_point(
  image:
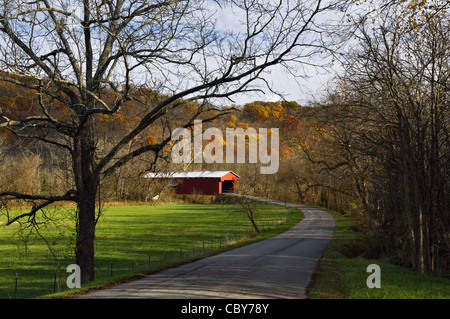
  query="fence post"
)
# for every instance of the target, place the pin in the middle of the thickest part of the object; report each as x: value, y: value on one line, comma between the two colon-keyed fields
x: 15, y: 285
x: 54, y: 282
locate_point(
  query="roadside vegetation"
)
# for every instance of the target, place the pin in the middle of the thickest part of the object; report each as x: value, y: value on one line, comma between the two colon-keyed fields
x: 132, y: 241
x: 342, y: 271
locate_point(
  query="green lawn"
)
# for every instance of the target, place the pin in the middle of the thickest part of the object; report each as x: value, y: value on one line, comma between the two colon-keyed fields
x: 130, y: 240
x: 341, y: 277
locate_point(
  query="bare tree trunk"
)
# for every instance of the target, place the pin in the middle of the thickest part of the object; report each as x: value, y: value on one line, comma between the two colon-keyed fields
x: 86, y: 184
x: 86, y: 236
x: 247, y: 206
x: 405, y: 190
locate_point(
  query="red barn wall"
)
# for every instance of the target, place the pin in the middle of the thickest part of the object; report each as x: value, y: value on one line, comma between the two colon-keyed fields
x: 205, y: 186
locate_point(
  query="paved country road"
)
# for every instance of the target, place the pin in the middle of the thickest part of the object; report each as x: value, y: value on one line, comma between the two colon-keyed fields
x: 279, y: 267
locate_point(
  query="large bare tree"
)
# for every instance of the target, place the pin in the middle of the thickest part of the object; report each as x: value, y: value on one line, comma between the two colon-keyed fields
x: 68, y: 52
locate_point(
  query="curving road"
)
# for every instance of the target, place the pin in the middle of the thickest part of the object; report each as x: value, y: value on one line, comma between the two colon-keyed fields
x: 279, y: 267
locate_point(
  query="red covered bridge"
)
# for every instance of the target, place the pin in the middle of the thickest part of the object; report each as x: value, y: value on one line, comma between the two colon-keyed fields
x: 200, y: 182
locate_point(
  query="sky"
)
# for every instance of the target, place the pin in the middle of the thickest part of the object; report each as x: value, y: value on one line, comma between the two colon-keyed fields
x: 304, y: 90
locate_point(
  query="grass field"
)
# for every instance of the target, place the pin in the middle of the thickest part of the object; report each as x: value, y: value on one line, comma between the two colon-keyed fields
x: 130, y: 240
x: 341, y: 277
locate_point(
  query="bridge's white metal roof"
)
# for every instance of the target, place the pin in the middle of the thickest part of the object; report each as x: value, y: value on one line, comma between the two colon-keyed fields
x: 189, y: 174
